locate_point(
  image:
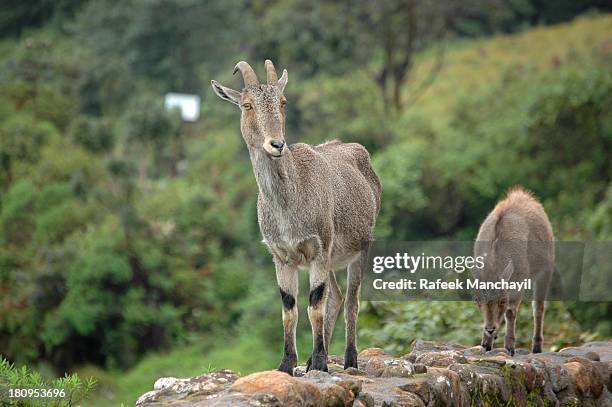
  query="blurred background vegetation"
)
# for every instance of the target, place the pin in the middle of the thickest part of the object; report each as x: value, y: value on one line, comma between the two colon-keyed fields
x: 129, y: 247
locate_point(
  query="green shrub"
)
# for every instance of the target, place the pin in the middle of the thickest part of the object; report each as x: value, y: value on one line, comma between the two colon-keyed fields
x: 74, y: 389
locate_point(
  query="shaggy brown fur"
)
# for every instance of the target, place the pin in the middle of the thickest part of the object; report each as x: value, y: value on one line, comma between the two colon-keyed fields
x: 517, y: 242
x: 316, y: 208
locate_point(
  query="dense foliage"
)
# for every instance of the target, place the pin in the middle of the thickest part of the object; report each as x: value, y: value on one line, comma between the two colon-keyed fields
x: 124, y: 231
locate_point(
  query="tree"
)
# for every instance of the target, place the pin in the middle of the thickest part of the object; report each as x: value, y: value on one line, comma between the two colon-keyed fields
x: 167, y: 41
x: 398, y: 30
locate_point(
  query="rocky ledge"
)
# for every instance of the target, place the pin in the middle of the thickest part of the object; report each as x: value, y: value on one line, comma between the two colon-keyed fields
x: 431, y: 375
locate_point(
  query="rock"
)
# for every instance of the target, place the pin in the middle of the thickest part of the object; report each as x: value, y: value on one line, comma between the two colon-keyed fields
x: 584, y: 375
x: 334, y: 368
x: 397, y: 368
x: 396, y: 371
x: 196, y: 388
x: 483, y: 380
x: 146, y: 398
x: 569, y: 400
x: 289, y: 390
x: 419, y: 346
x: 592, y: 356
x: 442, y: 375
x: 605, y: 371
x: 494, y: 361
x: 557, y: 375
x: 375, y: 366
x: 441, y: 359
x: 366, y: 399
x: 353, y: 385
x: 316, y: 374
x: 354, y: 372
x: 446, y: 387
x: 164, y: 382
x: 379, y: 367
x: 598, y: 351
x: 409, y: 400
x: 602, y: 348
x: 389, y: 403
x: 337, y: 396
x: 411, y: 357
x: 420, y: 368
x: 586, y: 353
x: 419, y: 386
x: 335, y: 360
x: 474, y: 351
x: 299, y: 371
x: 526, y: 373
x: 370, y: 353
x: 497, y: 351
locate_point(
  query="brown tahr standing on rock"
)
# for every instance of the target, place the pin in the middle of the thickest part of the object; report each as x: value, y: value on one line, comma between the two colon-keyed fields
x: 517, y: 243
x: 316, y: 207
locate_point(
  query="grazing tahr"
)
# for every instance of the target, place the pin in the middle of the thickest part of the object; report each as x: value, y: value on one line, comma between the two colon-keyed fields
x: 517, y: 243
x: 316, y: 208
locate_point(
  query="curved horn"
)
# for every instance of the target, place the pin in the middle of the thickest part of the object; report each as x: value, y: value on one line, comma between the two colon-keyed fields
x: 248, y: 74
x: 272, y: 78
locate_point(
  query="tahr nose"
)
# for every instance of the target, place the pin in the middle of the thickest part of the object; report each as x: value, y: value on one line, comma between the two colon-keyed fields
x: 278, y: 145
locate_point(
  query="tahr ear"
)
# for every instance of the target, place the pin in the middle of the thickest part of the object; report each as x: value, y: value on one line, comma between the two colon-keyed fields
x: 225, y: 93
x: 282, y: 82
x: 507, y: 273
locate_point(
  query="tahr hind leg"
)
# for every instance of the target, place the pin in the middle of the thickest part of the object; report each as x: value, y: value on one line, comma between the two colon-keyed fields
x: 538, y: 326
x: 351, y: 309
x: 538, y: 304
x: 334, y: 307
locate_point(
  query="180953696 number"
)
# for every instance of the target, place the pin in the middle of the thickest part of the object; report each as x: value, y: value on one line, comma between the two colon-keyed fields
x: 33, y: 393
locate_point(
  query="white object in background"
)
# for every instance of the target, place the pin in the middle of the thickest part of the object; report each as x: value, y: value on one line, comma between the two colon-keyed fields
x: 189, y: 105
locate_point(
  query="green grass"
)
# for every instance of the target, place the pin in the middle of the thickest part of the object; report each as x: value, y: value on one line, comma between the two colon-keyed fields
x: 243, y: 354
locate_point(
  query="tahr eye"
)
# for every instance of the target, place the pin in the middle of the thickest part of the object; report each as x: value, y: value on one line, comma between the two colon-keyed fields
x: 283, y: 103
x: 247, y: 106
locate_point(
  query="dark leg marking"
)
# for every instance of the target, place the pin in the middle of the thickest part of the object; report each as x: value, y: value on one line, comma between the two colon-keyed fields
x: 316, y: 295
x: 288, y: 300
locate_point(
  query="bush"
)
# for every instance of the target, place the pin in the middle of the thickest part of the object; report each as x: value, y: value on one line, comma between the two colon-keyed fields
x: 345, y: 107
x: 396, y: 325
x: 75, y: 389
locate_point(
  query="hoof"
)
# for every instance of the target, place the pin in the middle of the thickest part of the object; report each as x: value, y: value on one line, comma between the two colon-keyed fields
x: 510, y: 351
x: 287, y: 365
x: 317, y: 362
x: 536, y: 349
x: 350, y: 358
x: 487, y: 343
